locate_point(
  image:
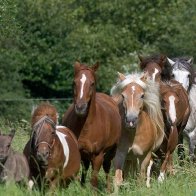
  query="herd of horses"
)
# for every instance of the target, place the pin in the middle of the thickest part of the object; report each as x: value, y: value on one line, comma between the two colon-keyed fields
x: 143, y: 120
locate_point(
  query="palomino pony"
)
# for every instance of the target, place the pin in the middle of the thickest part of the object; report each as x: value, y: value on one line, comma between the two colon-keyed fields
x: 95, y: 120
x: 172, y: 94
x: 142, y: 124
x: 183, y: 72
x: 52, y: 150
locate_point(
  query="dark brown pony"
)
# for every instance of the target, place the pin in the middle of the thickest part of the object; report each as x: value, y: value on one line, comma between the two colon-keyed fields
x: 95, y: 120
x: 52, y: 150
x: 160, y: 71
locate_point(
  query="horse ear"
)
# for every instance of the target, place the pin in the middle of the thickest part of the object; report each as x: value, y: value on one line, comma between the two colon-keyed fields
x: 163, y: 59
x: 77, y: 66
x: 141, y: 58
x: 170, y: 61
x: 190, y: 61
x: 12, y: 133
x: 95, y: 66
x: 121, y: 76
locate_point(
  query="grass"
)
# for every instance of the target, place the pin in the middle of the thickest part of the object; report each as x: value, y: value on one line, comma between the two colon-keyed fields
x: 183, y: 183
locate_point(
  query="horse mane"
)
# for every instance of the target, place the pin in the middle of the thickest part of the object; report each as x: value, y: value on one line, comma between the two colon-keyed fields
x: 44, y: 109
x: 151, y: 96
x: 159, y: 59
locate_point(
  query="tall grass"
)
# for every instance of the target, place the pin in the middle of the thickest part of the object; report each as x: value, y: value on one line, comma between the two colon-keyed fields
x: 183, y: 183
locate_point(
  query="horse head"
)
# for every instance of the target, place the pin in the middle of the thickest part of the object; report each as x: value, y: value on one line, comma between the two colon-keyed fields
x: 84, y: 87
x: 182, y: 71
x: 5, y: 144
x: 156, y: 67
x: 44, y: 133
x: 130, y: 92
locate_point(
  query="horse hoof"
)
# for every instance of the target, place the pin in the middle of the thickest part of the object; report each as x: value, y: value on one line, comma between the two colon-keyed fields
x: 161, y: 177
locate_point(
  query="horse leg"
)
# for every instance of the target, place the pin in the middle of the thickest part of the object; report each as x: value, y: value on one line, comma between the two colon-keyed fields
x: 161, y: 177
x: 148, y: 175
x: 107, y: 164
x: 85, y: 166
x: 119, y: 161
x: 181, y: 151
x: 192, y: 143
x: 145, y: 162
x: 97, y: 161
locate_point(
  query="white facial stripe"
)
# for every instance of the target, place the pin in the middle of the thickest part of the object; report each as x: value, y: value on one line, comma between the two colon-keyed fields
x: 133, y: 88
x: 154, y: 74
x: 82, y: 80
x: 172, y: 109
x: 64, y: 143
x: 182, y: 77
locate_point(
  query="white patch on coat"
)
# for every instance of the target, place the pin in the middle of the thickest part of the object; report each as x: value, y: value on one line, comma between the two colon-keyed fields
x: 154, y: 74
x: 64, y: 143
x: 172, y: 108
x: 137, y: 149
x: 82, y: 80
x: 148, y: 174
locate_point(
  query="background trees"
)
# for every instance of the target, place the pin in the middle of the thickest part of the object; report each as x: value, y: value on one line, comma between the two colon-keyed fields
x: 40, y: 40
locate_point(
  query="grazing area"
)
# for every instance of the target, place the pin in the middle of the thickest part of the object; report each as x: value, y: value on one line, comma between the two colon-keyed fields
x: 182, y: 183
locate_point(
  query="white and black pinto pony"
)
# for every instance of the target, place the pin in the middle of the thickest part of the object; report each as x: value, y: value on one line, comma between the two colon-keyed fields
x: 183, y: 72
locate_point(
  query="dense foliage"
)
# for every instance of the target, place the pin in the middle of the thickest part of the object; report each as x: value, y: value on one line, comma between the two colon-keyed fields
x: 40, y: 40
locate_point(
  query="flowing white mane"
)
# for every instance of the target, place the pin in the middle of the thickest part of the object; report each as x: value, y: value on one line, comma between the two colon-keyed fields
x: 151, y: 96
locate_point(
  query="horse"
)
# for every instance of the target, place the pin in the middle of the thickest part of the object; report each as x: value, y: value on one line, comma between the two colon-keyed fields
x: 95, y: 120
x: 13, y: 165
x: 160, y: 71
x: 52, y: 150
x: 176, y: 111
x: 142, y: 125
x: 183, y: 72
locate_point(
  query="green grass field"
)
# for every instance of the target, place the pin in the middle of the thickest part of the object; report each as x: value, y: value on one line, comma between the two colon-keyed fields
x: 183, y: 183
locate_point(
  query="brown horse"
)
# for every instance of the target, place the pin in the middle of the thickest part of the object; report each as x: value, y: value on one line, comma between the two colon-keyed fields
x: 95, y: 120
x: 159, y: 70
x: 176, y: 111
x: 52, y: 150
x: 142, y: 124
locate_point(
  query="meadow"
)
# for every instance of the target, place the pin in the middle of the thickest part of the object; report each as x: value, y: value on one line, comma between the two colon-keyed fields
x: 183, y: 183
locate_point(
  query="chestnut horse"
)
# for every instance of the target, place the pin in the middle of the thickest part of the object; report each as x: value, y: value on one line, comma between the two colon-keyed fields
x: 52, y: 151
x: 142, y: 124
x: 95, y: 120
x: 159, y: 70
x: 176, y: 111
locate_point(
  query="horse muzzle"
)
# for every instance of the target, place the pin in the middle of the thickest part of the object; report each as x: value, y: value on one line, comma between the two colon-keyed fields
x: 131, y: 122
x: 81, y: 109
x: 42, y: 158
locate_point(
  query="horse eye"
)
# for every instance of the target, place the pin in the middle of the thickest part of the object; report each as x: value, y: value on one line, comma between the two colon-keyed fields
x: 172, y: 75
x: 189, y: 75
x: 142, y: 96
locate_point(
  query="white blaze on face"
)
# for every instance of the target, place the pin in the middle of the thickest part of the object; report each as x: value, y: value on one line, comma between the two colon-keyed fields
x: 82, y: 80
x: 154, y: 74
x: 172, y: 108
x: 182, y: 77
x: 133, y: 91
